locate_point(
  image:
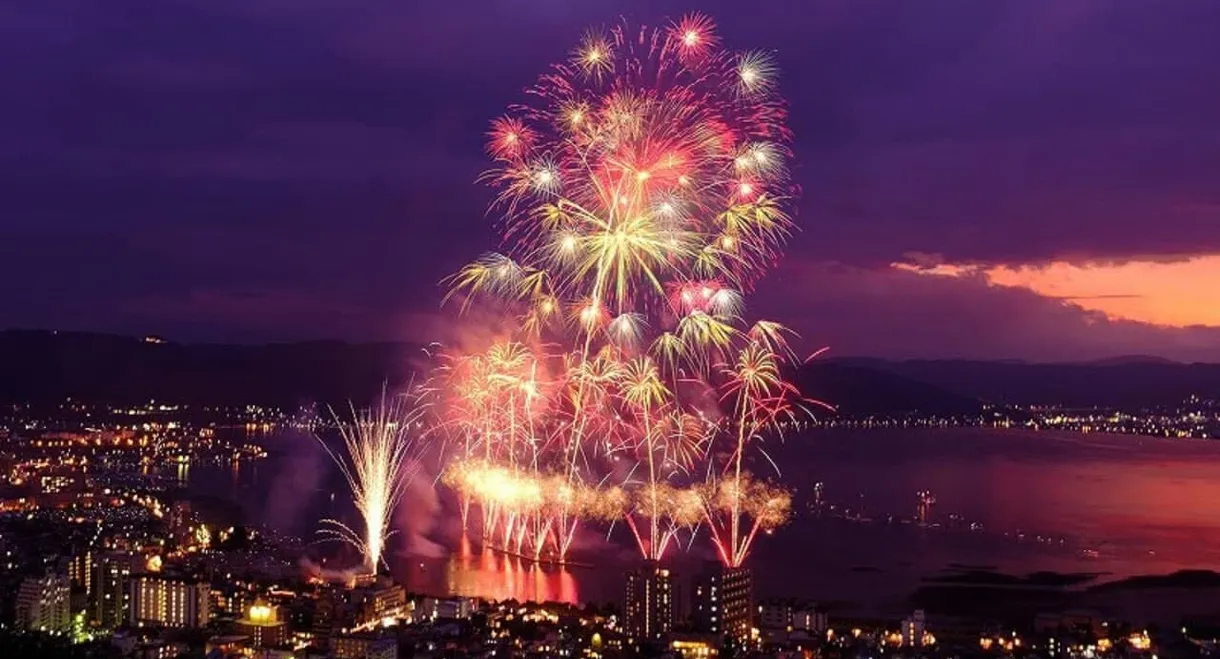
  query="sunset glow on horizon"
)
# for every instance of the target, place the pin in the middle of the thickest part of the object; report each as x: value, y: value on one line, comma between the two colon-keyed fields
x: 1169, y: 293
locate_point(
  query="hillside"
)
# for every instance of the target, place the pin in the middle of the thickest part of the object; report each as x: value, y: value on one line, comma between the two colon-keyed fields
x: 1125, y: 382
x: 47, y: 367
x: 861, y: 391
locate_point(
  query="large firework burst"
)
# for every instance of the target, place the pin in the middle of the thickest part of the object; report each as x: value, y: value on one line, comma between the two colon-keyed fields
x: 643, y: 188
x: 651, y: 161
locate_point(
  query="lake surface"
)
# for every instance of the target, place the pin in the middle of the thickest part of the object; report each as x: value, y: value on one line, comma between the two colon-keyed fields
x: 1065, y: 502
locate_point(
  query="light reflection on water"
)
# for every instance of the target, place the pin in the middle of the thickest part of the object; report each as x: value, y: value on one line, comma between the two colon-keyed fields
x: 476, y: 572
x: 1141, y: 505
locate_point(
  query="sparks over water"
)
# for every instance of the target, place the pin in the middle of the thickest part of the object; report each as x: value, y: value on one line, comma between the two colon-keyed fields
x: 642, y: 189
x: 378, y: 445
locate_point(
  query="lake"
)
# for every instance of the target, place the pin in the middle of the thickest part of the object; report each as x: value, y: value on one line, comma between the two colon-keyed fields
x: 1017, y: 501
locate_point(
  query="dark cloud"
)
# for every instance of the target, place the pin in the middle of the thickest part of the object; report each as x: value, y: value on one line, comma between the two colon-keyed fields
x: 901, y: 315
x: 323, y: 152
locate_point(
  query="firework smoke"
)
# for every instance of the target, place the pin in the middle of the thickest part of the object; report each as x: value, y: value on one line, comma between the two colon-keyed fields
x: 418, y: 514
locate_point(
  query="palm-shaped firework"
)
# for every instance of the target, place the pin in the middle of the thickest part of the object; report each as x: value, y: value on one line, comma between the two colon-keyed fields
x: 642, y: 189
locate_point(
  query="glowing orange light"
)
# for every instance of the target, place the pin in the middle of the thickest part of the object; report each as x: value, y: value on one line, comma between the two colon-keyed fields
x: 589, y: 314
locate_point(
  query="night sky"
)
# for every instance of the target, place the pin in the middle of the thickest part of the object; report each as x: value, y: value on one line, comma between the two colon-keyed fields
x: 1035, y: 179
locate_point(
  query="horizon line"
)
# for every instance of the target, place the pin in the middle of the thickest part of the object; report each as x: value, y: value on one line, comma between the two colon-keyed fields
x: 160, y: 339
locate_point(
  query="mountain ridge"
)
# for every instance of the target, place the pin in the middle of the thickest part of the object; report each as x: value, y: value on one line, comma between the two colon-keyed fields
x: 50, y: 365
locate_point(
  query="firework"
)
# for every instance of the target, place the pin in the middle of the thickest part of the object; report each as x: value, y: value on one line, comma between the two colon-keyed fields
x: 736, y: 509
x: 643, y: 188
x: 649, y: 158
x: 376, y: 462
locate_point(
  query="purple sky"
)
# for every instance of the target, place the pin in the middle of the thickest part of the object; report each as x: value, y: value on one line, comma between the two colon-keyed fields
x: 255, y: 170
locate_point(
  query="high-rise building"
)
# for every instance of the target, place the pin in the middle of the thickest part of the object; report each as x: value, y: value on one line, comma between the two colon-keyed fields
x: 80, y: 571
x: 43, y: 603
x: 649, y: 602
x: 332, y: 612
x: 913, y: 630
x: 263, y: 626
x: 170, y: 601
x: 722, y: 601
x: 111, y: 589
x: 381, y: 600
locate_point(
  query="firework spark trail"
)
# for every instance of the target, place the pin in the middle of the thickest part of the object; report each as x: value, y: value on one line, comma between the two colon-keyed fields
x: 642, y: 188
x: 376, y: 462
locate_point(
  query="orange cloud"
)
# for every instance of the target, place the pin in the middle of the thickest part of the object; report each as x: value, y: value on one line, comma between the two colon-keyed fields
x: 1181, y: 293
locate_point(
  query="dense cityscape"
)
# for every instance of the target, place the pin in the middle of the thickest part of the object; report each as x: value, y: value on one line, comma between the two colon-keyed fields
x: 106, y: 554
x: 1193, y: 418
x: 574, y: 330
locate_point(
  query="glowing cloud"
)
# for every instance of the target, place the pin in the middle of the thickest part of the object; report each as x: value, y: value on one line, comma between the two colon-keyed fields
x: 1170, y: 293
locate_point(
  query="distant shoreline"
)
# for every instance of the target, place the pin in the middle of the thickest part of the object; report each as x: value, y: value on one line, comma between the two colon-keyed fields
x: 1085, y: 582
x: 999, y: 596
x: 1187, y: 579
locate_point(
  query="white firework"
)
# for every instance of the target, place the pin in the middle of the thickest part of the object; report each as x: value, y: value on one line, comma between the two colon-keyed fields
x: 377, y: 464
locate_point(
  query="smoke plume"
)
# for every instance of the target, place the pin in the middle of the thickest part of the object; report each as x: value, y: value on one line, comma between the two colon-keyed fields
x: 418, y: 512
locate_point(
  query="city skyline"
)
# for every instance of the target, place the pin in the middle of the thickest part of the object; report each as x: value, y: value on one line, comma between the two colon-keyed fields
x: 997, y: 181
x: 828, y: 329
